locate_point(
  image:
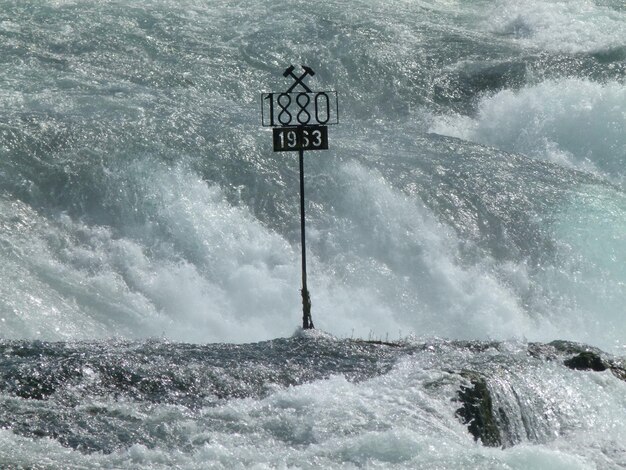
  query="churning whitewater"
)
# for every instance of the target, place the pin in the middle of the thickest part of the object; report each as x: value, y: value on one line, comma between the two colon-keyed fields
x: 469, y: 216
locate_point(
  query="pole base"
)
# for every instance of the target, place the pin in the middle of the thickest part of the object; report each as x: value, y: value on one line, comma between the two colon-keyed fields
x: 307, y: 321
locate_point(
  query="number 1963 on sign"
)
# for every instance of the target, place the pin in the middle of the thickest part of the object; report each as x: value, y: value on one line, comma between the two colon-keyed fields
x: 300, y: 138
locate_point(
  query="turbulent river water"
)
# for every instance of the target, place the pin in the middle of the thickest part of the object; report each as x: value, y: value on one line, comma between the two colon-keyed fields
x: 471, y: 206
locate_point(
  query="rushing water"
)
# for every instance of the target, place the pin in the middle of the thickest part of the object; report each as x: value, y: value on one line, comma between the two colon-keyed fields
x: 474, y: 190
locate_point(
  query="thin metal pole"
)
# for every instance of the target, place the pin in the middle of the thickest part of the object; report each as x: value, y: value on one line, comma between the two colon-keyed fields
x: 307, y: 322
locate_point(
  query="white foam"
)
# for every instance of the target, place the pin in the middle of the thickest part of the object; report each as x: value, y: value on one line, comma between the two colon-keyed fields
x: 573, y: 122
x: 396, y: 271
x: 199, y: 269
x: 202, y: 270
x: 87, y: 281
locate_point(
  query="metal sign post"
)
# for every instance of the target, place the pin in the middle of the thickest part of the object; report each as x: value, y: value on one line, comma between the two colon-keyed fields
x: 300, y: 122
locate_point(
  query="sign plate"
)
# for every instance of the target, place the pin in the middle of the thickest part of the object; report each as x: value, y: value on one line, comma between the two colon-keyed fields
x: 300, y: 118
x: 287, y: 139
x: 319, y: 108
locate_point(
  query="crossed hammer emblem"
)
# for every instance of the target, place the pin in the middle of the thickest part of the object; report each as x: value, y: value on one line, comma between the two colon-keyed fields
x: 298, y: 80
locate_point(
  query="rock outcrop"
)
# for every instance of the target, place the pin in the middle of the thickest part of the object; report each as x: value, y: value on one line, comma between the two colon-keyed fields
x: 490, y: 424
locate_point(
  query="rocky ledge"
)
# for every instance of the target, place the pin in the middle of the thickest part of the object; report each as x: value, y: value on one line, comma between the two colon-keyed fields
x: 488, y: 423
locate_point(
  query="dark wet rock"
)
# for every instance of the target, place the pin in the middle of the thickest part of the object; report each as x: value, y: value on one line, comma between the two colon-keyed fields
x: 489, y: 423
x: 477, y: 410
x: 578, y: 356
x: 587, y: 360
x: 619, y: 369
x: 571, y: 347
x: 558, y: 349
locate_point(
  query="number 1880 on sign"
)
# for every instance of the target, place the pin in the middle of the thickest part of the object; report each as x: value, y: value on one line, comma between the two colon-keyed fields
x: 300, y: 138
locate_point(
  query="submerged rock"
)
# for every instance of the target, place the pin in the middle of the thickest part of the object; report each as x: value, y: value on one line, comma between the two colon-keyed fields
x: 587, y: 360
x: 78, y: 385
x: 494, y: 426
x: 477, y: 410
